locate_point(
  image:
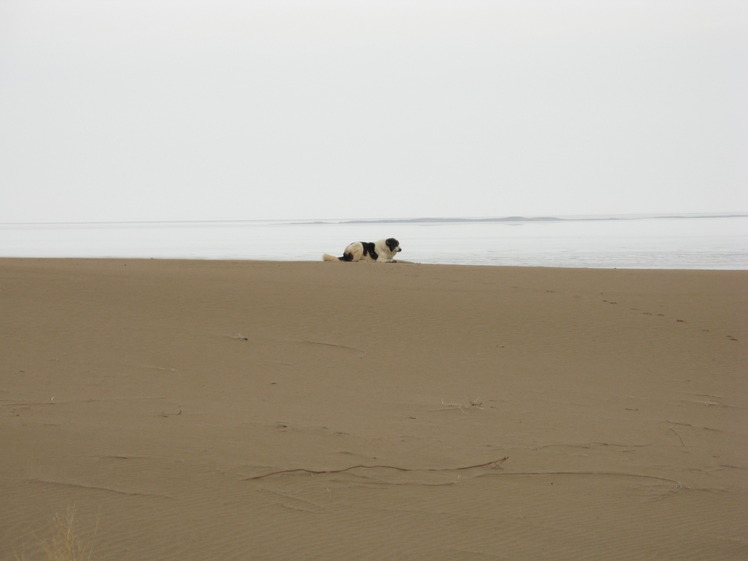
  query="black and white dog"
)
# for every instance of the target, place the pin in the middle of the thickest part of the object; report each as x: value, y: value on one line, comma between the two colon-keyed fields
x: 382, y: 251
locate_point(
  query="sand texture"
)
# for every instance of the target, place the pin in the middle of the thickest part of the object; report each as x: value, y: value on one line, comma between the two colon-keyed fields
x: 205, y: 410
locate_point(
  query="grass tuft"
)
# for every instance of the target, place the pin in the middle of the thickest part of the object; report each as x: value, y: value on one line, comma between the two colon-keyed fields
x: 64, y: 543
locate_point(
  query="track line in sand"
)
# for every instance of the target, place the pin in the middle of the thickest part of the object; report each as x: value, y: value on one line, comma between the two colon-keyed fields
x: 335, y: 345
x: 492, y: 464
x: 677, y: 485
x: 97, y: 488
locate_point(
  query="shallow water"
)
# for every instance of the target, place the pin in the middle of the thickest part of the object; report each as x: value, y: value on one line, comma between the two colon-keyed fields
x: 713, y: 242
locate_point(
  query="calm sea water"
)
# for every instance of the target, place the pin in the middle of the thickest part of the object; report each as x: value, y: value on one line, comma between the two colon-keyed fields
x: 693, y: 242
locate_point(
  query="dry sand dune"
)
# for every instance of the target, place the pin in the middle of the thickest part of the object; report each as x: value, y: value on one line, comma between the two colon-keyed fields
x: 320, y: 411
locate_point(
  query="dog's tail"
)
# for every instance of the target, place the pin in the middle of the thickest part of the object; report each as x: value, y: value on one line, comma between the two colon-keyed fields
x: 328, y: 257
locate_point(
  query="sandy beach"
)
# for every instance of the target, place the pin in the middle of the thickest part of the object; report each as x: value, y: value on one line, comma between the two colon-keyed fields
x: 199, y: 410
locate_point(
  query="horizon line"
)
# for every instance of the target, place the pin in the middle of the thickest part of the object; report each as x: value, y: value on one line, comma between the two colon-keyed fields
x: 432, y: 219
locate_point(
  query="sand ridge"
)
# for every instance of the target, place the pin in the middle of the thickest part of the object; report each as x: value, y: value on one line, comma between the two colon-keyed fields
x: 268, y: 410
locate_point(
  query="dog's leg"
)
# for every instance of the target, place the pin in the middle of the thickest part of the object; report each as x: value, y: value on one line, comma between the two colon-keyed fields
x: 354, y: 252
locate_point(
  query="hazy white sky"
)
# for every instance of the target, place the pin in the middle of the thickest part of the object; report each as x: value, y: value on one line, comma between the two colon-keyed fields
x: 219, y: 109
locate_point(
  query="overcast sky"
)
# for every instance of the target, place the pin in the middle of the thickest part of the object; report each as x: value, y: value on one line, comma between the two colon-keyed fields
x: 218, y: 109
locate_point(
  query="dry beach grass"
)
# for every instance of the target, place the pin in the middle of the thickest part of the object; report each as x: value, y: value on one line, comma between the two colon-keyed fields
x: 64, y: 542
x: 266, y: 410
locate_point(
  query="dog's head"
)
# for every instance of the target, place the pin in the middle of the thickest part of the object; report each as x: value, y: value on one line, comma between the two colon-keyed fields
x: 393, y: 245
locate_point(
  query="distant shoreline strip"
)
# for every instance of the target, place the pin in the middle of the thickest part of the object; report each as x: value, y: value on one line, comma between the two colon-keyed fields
x: 431, y: 220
